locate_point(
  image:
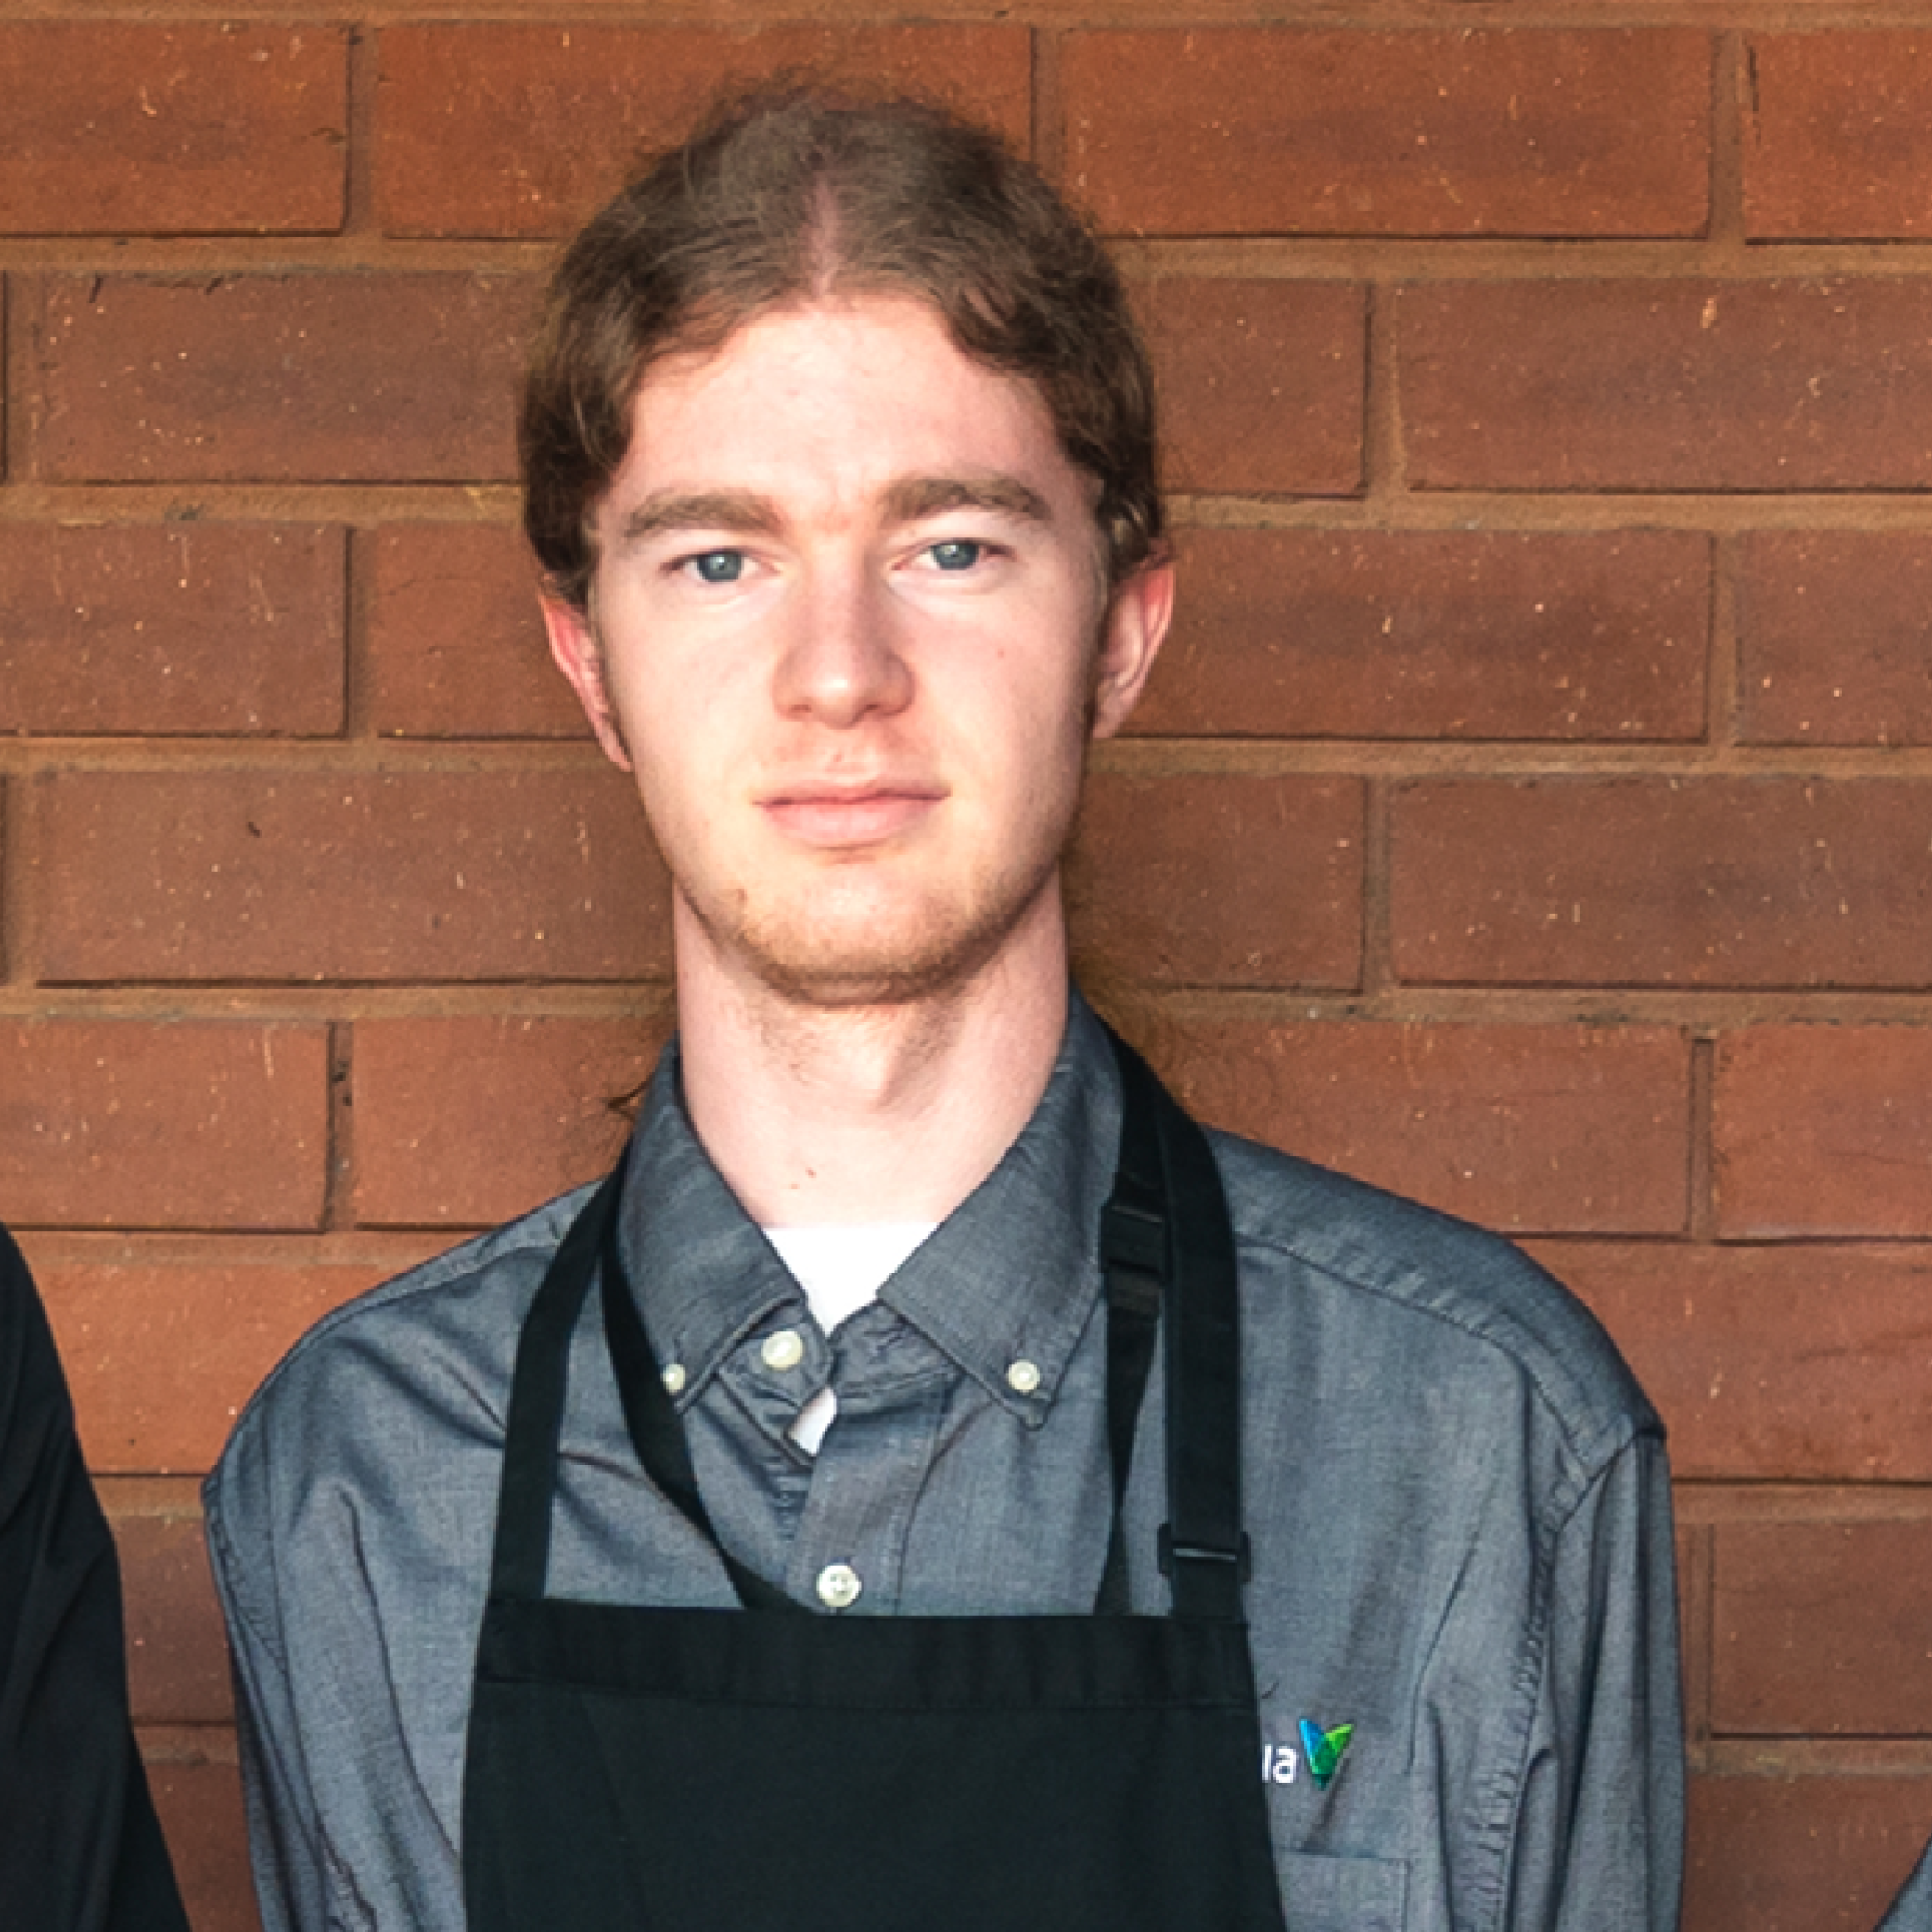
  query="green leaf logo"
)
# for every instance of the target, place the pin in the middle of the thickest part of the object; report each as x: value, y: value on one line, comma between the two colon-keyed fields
x: 1324, y: 1750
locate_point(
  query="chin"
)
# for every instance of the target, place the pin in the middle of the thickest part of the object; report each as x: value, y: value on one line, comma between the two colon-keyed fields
x: 836, y: 979
x: 856, y: 962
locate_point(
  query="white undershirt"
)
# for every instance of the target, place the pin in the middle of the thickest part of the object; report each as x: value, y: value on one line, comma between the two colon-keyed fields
x: 840, y: 1269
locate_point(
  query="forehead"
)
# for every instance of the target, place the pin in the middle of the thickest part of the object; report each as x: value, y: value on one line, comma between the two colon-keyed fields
x: 847, y: 395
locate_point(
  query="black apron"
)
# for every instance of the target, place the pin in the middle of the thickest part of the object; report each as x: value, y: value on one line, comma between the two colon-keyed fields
x: 775, y: 1770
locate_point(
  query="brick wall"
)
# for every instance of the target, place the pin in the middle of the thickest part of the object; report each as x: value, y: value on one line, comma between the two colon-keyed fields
x: 1534, y: 814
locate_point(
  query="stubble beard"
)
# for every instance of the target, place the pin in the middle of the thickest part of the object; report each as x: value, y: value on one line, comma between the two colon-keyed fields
x: 936, y: 949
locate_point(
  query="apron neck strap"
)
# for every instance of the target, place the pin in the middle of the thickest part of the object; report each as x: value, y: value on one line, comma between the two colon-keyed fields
x: 520, y: 1560
x: 521, y: 1557
x: 656, y: 1432
x: 1166, y: 1247
x: 1165, y: 1233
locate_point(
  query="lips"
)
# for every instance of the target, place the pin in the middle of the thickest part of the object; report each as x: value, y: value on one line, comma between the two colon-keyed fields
x: 847, y: 816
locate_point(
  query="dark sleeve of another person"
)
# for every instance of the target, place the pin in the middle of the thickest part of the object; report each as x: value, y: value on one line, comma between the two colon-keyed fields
x: 79, y: 1847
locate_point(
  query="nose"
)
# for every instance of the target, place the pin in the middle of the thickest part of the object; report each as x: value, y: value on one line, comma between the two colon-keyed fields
x: 843, y: 660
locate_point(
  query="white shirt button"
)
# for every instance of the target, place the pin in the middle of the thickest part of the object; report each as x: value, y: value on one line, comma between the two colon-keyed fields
x: 785, y: 1350
x: 676, y: 1378
x: 1023, y: 1378
x: 839, y: 1586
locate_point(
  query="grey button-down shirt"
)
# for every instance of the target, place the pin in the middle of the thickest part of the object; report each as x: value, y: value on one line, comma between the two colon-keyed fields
x: 1912, y: 1910
x: 1456, y: 1494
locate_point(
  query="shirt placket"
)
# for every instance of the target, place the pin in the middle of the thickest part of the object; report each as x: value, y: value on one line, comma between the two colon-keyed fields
x: 848, y: 1549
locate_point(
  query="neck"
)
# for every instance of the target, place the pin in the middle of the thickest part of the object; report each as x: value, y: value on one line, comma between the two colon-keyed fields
x: 876, y: 1113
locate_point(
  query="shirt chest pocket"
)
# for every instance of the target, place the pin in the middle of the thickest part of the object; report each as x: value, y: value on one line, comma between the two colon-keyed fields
x: 1343, y: 1894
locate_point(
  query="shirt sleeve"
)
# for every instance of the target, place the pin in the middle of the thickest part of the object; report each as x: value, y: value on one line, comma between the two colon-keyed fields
x: 343, y: 1834
x: 348, y: 1523
x: 1912, y: 1910
x: 1600, y: 1836
x: 286, y: 1837
x: 81, y: 1849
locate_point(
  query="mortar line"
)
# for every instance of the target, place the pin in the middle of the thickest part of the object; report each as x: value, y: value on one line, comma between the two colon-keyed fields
x: 1701, y: 1177
x: 359, y: 131
x: 339, y: 1194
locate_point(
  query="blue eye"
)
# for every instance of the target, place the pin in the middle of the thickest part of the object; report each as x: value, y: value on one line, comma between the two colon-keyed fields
x: 956, y: 554
x: 720, y: 565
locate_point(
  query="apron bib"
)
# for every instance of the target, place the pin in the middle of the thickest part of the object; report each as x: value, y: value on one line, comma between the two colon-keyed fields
x: 776, y: 1769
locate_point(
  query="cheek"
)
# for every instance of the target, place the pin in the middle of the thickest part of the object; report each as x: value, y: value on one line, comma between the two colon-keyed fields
x: 1046, y: 748
x: 662, y: 701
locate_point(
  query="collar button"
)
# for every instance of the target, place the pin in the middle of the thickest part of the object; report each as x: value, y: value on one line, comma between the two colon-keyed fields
x: 784, y: 1349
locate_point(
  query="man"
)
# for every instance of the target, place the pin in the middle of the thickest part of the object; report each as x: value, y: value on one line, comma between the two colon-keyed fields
x: 959, y: 1590
x: 81, y: 1849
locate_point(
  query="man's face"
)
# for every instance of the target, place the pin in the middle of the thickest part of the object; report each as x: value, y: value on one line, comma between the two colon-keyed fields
x: 851, y: 634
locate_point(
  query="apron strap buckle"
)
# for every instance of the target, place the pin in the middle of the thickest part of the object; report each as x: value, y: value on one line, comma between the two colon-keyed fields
x: 1170, y: 1552
x: 1134, y: 1238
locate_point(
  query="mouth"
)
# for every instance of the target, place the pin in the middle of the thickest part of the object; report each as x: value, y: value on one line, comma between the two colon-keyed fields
x: 835, y: 816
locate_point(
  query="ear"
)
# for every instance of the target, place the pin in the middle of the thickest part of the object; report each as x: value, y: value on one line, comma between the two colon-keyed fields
x: 1131, y: 637
x: 573, y: 644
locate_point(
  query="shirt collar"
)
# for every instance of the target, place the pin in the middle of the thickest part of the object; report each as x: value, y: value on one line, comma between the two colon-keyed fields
x: 1010, y: 1276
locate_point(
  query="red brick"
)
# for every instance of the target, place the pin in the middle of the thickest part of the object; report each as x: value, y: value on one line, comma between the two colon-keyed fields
x: 1312, y: 633
x: 468, y: 138
x: 176, y: 1124
x: 160, y: 1355
x: 180, y: 627
x: 1800, y: 1854
x: 200, y: 1809
x: 303, y: 875
x: 181, y: 129
x: 1820, y: 1629
x: 455, y: 647
x: 1258, y: 130
x: 1666, y: 385
x: 1831, y: 638
x: 1823, y: 1130
x: 1531, y: 1128
x: 1805, y: 1362
x: 1838, y: 136
x: 177, y: 1658
x: 1662, y: 882
x: 467, y: 1122
x: 1216, y: 880
x: 371, y: 378
x: 1261, y: 384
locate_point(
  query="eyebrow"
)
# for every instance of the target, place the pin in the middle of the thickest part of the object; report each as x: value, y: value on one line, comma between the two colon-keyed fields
x: 909, y: 500
x: 737, y: 510
x: 913, y: 498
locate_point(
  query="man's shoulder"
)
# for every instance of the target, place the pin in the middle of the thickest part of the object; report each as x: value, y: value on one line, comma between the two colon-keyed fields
x: 436, y: 1337
x: 1397, y: 1275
